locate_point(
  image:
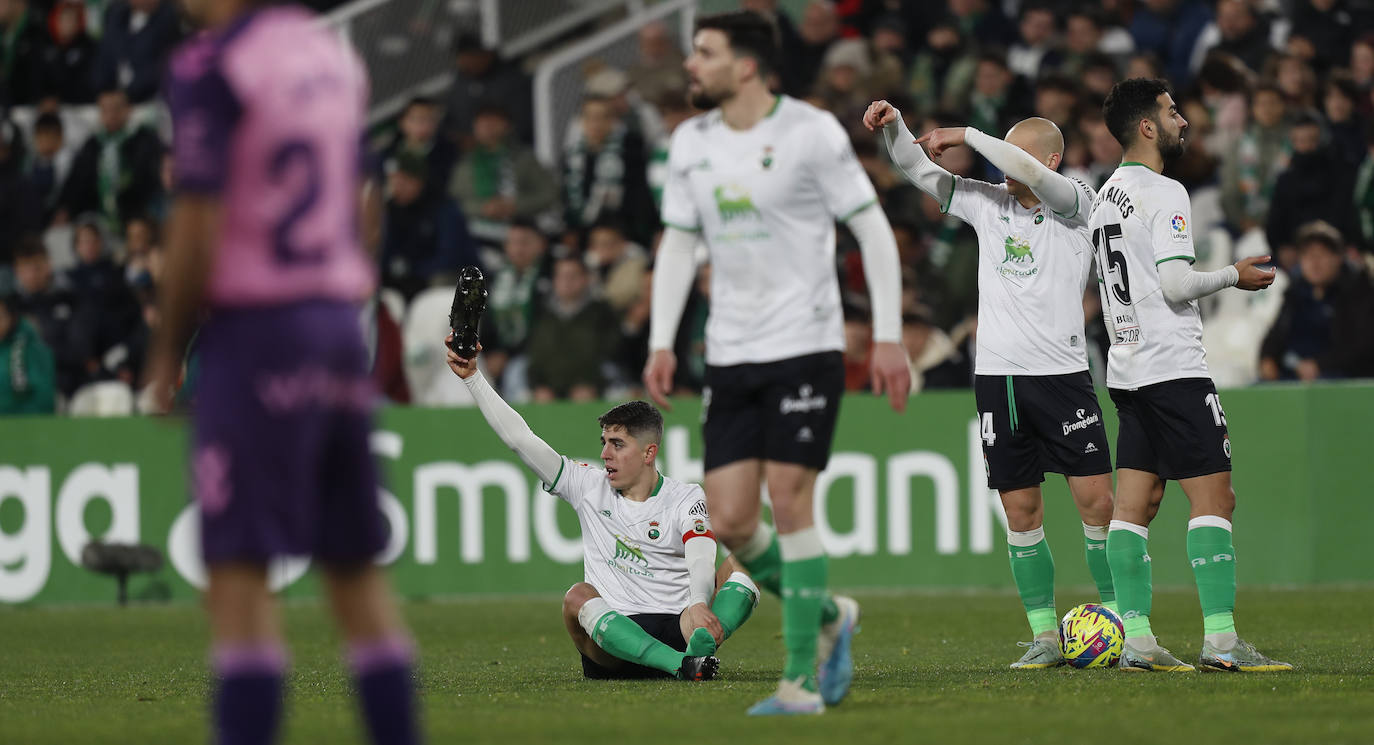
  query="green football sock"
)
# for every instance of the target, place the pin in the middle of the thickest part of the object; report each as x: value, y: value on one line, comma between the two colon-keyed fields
x: 1032, y: 567
x: 1130, y: 563
x: 1095, y: 549
x: 763, y: 558
x: 624, y: 639
x: 805, y: 571
x: 734, y: 603
x: 1214, y: 568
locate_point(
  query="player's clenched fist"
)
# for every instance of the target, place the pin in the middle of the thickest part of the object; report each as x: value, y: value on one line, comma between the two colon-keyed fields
x: 1252, y: 277
x: 879, y: 114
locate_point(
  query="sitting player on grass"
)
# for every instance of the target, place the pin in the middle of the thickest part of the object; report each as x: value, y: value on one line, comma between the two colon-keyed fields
x: 646, y: 606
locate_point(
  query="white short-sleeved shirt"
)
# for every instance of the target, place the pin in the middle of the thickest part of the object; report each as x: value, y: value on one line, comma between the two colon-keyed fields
x: 634, y: 553
x: 1142, y: 219
x: 1032, y: 269
x: 765, y: 201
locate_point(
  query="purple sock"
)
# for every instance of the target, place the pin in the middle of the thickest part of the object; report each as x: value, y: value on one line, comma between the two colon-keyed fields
x: 248, y: 692
x: 382, y: 671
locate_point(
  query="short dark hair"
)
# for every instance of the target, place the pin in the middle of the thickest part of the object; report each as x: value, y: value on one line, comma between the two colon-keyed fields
x: 1128, y: 103
x: 640, y: 419
x: 749, y: 34
x: 420, y: 101
x: 29, y: 246
x: 48, y: 122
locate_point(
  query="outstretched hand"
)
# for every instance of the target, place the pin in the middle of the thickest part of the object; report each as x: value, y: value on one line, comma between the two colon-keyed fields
x: 891, y: 374
x: 463, y: 368
x: 658, y: 376
x: 879, y: 115
x: 942, y: 139
x: 1251, y: 276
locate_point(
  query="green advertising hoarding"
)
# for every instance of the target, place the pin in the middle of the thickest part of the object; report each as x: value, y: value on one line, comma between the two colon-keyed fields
x: 903, y: 503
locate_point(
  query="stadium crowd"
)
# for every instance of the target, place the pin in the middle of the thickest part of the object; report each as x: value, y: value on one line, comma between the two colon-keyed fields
x: 1279, y: 96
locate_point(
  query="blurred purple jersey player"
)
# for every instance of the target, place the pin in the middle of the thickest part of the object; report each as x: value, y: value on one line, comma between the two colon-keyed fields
x: 268, y: 112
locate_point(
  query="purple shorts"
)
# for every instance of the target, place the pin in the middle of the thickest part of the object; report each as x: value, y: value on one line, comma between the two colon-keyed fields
x: 281, y: 462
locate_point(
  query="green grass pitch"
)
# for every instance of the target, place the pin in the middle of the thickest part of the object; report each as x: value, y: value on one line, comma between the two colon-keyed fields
x: 929, y: 668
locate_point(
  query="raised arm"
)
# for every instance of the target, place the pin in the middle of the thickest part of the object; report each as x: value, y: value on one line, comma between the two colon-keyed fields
x: 909, y: 158
x: 507, y: 424
x: 1053, y: 188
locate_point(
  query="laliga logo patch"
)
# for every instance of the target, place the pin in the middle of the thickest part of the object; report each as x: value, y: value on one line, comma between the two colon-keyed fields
x: 1178, y: 223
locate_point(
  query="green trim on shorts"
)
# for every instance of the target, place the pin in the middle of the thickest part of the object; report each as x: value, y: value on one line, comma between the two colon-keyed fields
x: 1011, y: 402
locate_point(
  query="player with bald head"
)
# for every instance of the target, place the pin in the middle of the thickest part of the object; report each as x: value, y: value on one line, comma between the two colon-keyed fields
x: 1037, y: 411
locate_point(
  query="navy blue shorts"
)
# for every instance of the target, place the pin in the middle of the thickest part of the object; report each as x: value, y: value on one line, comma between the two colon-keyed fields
x: 281, y: 463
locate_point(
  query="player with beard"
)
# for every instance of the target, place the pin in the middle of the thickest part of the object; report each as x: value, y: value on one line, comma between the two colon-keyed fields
x: 762, y: 179
x: 1172, y: 423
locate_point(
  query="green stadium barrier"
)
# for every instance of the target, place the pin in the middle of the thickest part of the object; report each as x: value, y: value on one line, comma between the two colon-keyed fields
x: 904, y: 502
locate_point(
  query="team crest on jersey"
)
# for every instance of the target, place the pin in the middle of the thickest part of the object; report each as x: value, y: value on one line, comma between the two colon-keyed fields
x: 767, y: 161
x: 606, y: 513
x: 1019, y: 260
x: 699, y: 528
x: 629, y: 558
x: 1039, y: 217
x: 734, y: 202
x: 654, y: 532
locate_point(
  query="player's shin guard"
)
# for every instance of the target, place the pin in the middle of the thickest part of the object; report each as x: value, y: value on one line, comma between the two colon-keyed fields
x: 1214, y: 567
x: 382, y: 671
x: 805, y: 571
x: 1032, y: 566
x: 624, y: 639
x: 1130, y: 562
x: 762, y: 556
x: 1095, y: 550
x: 248, y: 692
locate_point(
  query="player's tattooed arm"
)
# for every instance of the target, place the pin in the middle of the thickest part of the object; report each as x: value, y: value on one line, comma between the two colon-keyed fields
x: 508, y: 425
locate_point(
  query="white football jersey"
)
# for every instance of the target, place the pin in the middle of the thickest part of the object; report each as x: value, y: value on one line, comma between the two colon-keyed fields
x: 765, y: 201
x: 1142, y: 219
x: 1032, y: 269
x: 634, y: 552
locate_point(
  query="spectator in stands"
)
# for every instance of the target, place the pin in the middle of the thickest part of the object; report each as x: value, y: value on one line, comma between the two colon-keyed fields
x: 105, y: 312
x: 819, y: 28
x: 613, y: 86
x: 1144, y: 65
x: 1362, y: 72
x: 44, y: 299
x: 1317, y: 185
x: 22, y: 41
x: 935, y: 359
x: 889, y: 36
x: 982, y: 21
x: 1237, y: 31
x: 1099, y: 74
x: 425, y: 240
x: 136, y: 37
x: 20, y: 209
x: 998, y: 98
x: 68, y: 61
x: 499, y: 179
x: 1086, y: 32
x: 1251, y: 168
x: 605, y: 174
x: 659, y: 67
x: 943, y: 71
x: 47, y: 167
x: 417, y: 131
x: 1170, y: 29
x: 673, y: 110
x: 854, y: 74
x: 28, y: 376
x: 1035, y: 48
x: 1056, y: 98
x: 516, y: 293
x: 1222, y: 84
x: 1295, y: 79
x: 1326, y: 326
x: 116, y: 173
x: 483, y: 77
x: 617, y: 265
x: 1103, y: 152
x: 140, y: 242
x: 1342, y: 122
x: 1330, y: 25
x: 573, y: 339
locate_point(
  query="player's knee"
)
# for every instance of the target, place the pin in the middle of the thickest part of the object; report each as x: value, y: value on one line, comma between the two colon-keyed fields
x: 577, y: 596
